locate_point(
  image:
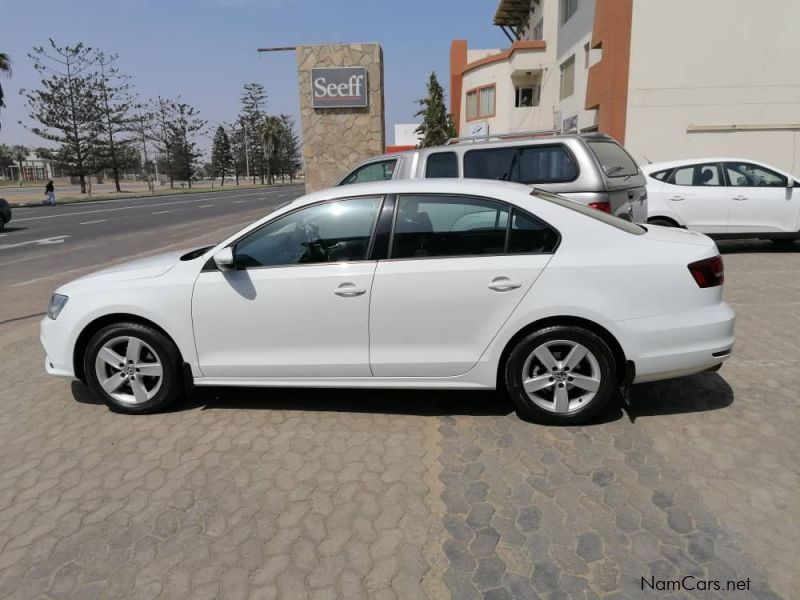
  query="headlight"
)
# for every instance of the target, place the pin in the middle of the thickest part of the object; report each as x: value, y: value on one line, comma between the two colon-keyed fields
x: 57, y: 303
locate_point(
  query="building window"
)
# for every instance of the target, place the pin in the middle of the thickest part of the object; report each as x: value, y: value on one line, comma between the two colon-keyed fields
x: 480, y: 103
x: 586, y: 55
x: 538, y: 31
x: 568, y: 8
x: 567, y: 78
x: 526, y: 95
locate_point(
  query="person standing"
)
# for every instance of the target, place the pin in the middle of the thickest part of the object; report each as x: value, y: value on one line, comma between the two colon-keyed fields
x: 50, y: 193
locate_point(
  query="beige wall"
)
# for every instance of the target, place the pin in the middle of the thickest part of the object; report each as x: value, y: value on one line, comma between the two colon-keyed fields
x: 724, y: 63
x: 336, y: 138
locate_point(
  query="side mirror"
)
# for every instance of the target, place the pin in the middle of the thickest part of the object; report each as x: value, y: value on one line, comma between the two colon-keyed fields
x: 791, y: 182
x: 224, y: 259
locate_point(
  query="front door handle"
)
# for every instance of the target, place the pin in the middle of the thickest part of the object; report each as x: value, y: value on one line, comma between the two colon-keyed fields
x: 740, y: 198
x: 349, y: 290
x: 503, y: 284
x: 676, y: 198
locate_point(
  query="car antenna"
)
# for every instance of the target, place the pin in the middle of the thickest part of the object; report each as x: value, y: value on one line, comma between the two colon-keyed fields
x: 649, y: 162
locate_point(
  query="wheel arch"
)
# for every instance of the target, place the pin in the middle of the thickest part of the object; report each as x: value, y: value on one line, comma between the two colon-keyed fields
x: 616, y: 348
x: 97, y: 324
x: 674, y: 222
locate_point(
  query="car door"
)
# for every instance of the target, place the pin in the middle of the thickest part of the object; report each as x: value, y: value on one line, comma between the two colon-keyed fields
x: 760, y: 199
x: 456, y: 271
x: 297, y: 303
x: 697, y: 195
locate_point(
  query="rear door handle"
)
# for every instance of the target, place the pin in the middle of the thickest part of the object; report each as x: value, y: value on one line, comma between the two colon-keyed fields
x: 503, y: 284
x: 676, y: 198
x: 349, y: 290
x: 740, y: 198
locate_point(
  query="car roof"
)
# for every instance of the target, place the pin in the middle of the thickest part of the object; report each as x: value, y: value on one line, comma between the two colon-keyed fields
x: 470, y: 187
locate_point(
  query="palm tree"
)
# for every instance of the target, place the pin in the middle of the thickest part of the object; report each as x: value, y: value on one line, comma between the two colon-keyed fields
x: 271, y: 128
x: 5, y: 68
x: 20, y: 153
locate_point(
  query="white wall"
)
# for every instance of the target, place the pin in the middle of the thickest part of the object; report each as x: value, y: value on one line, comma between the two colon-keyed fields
x: 715, y: 62
x: 405, y: 134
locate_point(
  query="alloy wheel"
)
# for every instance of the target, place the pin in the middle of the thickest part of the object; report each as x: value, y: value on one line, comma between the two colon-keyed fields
x: 561, y: 376
x: 129, y: 370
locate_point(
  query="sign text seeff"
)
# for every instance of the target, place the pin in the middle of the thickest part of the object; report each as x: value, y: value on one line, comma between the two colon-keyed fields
x: 344, y: 87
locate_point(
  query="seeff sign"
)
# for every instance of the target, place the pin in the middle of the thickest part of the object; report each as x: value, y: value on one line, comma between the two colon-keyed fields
x: 340, y: 87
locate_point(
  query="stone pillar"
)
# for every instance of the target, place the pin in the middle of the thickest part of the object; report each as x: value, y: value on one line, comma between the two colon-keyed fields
x: 336, y: 138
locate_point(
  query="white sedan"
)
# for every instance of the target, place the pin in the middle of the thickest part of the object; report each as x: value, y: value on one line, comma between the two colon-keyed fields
x: 447, y: 284
x: 724, y: 198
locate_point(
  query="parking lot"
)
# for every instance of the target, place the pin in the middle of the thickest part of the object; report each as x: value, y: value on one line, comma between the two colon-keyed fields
x: 393, y: 494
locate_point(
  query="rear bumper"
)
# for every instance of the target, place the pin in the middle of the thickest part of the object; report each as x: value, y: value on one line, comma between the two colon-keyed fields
x: 678, y: 344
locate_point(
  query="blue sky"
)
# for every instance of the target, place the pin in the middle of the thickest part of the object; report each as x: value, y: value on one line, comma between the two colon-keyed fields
x: 206, y: 49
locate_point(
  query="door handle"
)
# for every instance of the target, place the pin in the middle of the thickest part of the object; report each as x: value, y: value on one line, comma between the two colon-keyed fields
x: 503, y: 284
x: 676, y: 198
x: 349, y: 290
x: 740, y: 198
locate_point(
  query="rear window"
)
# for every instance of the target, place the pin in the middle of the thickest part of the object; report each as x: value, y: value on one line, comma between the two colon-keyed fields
x: 598, y: 215
x: 613, y: 159
x: 441, y: 164
x: 523, y: 164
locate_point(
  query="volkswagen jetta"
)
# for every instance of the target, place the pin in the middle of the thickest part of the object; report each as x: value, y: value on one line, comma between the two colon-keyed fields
x: 449, y: 284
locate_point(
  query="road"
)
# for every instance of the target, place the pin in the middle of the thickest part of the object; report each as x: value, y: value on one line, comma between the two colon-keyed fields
x: 43, y: 247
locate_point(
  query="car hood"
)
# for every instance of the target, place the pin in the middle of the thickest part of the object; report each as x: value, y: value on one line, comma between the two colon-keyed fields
x: 151, y: 266
x: 678, y: 235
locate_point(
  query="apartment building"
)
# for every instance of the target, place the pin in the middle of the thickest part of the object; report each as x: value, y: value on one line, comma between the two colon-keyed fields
x: 670, y: 79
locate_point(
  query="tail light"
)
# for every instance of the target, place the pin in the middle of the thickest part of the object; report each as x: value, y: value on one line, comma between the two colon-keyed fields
x: 604, y: 206
x: 709, y: 272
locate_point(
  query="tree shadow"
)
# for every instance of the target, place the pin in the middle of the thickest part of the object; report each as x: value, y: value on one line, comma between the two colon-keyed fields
x: 757, y: 246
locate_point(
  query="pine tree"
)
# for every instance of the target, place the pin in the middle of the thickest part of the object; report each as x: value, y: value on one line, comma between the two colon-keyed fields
x: 5, y: 68
x: 221, y: 156
x: 67, y: 106
x: 186, y: 125
x: 116, y: 103
x: 254, y: 104
x: 288, y: 152
x: 437, y: 125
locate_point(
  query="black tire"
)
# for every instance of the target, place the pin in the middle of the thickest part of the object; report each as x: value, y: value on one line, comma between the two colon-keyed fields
x: 584, y: 409
x: 161, y: 348
x: 662, y: 222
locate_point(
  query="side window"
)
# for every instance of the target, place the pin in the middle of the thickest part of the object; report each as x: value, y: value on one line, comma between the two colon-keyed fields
x: 750, y: 175
x: 660, y: 175
x: 328, y: 232
x: 441, y: 164
x: 431, y: 226
x: 529, y: 234
x: 545, y: 164
x: 377, y: 171
x: 495, y: 163
x: 696, y: 175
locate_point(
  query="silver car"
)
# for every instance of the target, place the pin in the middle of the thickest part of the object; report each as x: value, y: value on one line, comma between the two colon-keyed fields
x: 591, y: 168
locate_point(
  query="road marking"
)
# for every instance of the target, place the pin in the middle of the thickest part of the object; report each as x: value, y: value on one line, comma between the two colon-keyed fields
x: 206, y: 206
x: 160, y: 212
x: 239, y: 201
x: 91, y: 212
x: 59, y: 239
x: 90, y: 222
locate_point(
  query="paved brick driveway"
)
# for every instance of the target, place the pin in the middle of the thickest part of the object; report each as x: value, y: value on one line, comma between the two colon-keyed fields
x: 333, y: 494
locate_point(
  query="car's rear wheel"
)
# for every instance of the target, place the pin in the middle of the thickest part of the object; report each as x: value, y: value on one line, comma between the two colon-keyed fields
x: 133, y: 368
x: 561, y: 375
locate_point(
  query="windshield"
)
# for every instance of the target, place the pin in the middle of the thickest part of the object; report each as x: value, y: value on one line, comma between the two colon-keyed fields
x: 613, y: 158
x: 598, y: 215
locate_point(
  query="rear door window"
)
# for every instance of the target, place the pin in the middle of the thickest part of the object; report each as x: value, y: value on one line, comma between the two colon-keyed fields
x: 523, y: 164
x: 375, y: 171
x: 441, y: 164
x: 696, y: 175
x: 493, y: 163
x: 613, y: 159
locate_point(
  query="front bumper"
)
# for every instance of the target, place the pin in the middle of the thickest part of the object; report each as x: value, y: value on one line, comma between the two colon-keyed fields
x: 678, y: 344
x: 57, y: 343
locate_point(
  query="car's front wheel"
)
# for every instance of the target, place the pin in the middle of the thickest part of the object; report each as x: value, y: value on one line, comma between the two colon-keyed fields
x: 561, y: 375
x: 133, y: 368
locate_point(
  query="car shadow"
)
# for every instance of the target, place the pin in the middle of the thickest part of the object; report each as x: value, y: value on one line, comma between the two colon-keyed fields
x: 697, y: 393
x: 758, y: 246
x: 702, y: 392
x: 8, y: 229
